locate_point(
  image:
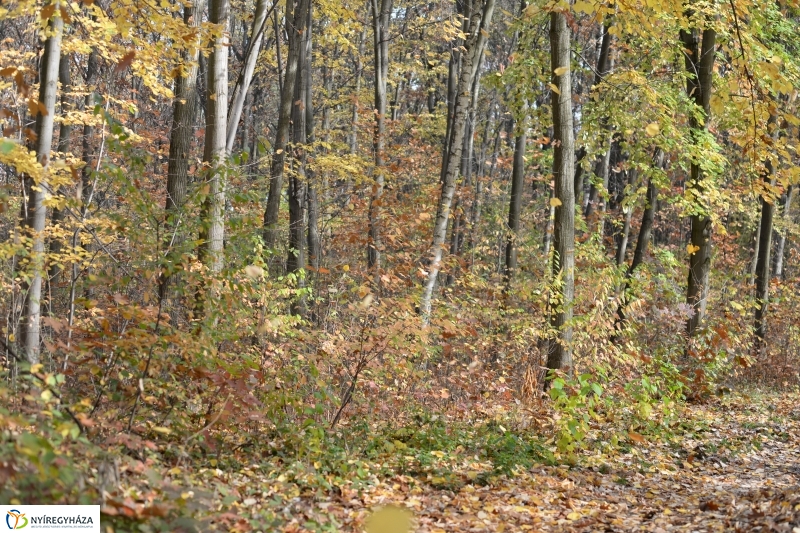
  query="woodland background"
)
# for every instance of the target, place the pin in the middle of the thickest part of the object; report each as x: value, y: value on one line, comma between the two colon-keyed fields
x: 327, y: 240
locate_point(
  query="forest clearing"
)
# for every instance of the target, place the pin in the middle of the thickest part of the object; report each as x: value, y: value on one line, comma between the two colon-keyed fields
x: 401, y: 265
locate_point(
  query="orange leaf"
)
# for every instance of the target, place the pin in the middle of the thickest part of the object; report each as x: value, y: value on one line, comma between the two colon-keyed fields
x: 635, y: 437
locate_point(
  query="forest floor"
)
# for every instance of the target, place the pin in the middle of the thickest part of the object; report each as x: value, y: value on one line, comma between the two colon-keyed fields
x: 738, y: 469
x: 729, y: 464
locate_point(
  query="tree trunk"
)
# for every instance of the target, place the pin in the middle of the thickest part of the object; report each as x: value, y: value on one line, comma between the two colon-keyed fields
x: 514, y: 208
x: 602, y: 70
x: 38, y: 188
x: 642, y: 242
x: 312, y: 200
x: 627, y: 211
x: 560, y: 351
x: 295, y: 28
x: 298, y: 182
x: 381, y: 18
x: 476, y: 42
x: 215, y: 152
x: 64, y: 138
x: 781, y: 244
x: 764, y: 251
x: 359, y: 69
x: 699, y: 61
x: 242, y: 88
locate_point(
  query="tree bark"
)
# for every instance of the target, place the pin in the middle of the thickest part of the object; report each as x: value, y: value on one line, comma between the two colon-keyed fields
x: 642, y: 243
x: 476, y: 42
x: 764, y: 251
x: 64, y: 138
x: 781, y: 244
x: 38, y: 189
x: 295, y: 28
x: 298, y: 182
x: 381, y: 18
x: 514, y: 208
x: 699, y: 59
x: 560, y: 350
x: 215, y: 152
x: 184, y: 112
x: 242, y: 88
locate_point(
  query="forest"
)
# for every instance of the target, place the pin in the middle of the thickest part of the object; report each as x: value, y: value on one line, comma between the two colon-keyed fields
x: 402, y: 265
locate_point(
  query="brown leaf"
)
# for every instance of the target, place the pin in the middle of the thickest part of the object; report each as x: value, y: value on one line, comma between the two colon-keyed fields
x: 125, y: 62
x: 47, y: 11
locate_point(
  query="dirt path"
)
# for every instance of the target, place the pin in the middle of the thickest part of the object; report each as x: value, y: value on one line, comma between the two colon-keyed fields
x: 739, y: 472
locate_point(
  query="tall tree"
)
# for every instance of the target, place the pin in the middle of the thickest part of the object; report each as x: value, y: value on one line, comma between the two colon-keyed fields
x: 780, y: 246
x: 295, y: 28
x: 37, y: 188
x: 381, y: 18
x: 214, y: 152
x: 560, y: 350
x: 476, y: 42
x: 298, y: 183
x: 242, y: 88
x: 765, y: 244
x: 699, y: 45
x: 184, y: 112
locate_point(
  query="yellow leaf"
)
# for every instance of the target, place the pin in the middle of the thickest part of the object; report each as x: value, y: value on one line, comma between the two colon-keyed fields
x: 560, y: 71
x: 691, y: 248
x: 555, y: 202
x: 652, y: 129
x: 574, y: 516
x: 554, y: 88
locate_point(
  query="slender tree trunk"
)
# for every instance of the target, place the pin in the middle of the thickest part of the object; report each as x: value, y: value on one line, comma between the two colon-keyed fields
x: 359, y: 70
x: 642, y: 242
x: 381, y: 18
x: 478, y: 35
x: 184, y: 112
x: 312, y: 200
x: 86, y: 193
x: 754, y: 258
x: 560, y: 352
x: 602, y: 70
x: 242, y: 88
x: 700, y: 47
x: 514, y: 208
x: 296, y: 19
x: 38, y: 189
x: 298, y: 182
x: 781, y: 244
x: 215, y: 152
x: 627, y: 211
x: 64, y: 138
x: 764, y: 251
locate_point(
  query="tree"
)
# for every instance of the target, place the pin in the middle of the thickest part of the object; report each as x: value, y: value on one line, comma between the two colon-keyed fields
x: 476, y: 42
x: 560, y: 349
x: 381, y: 18
x: 184, y: 111
x: 215, y: 152
x: 295, y: 28
x: 699, y: 45
x: 34, y: 214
